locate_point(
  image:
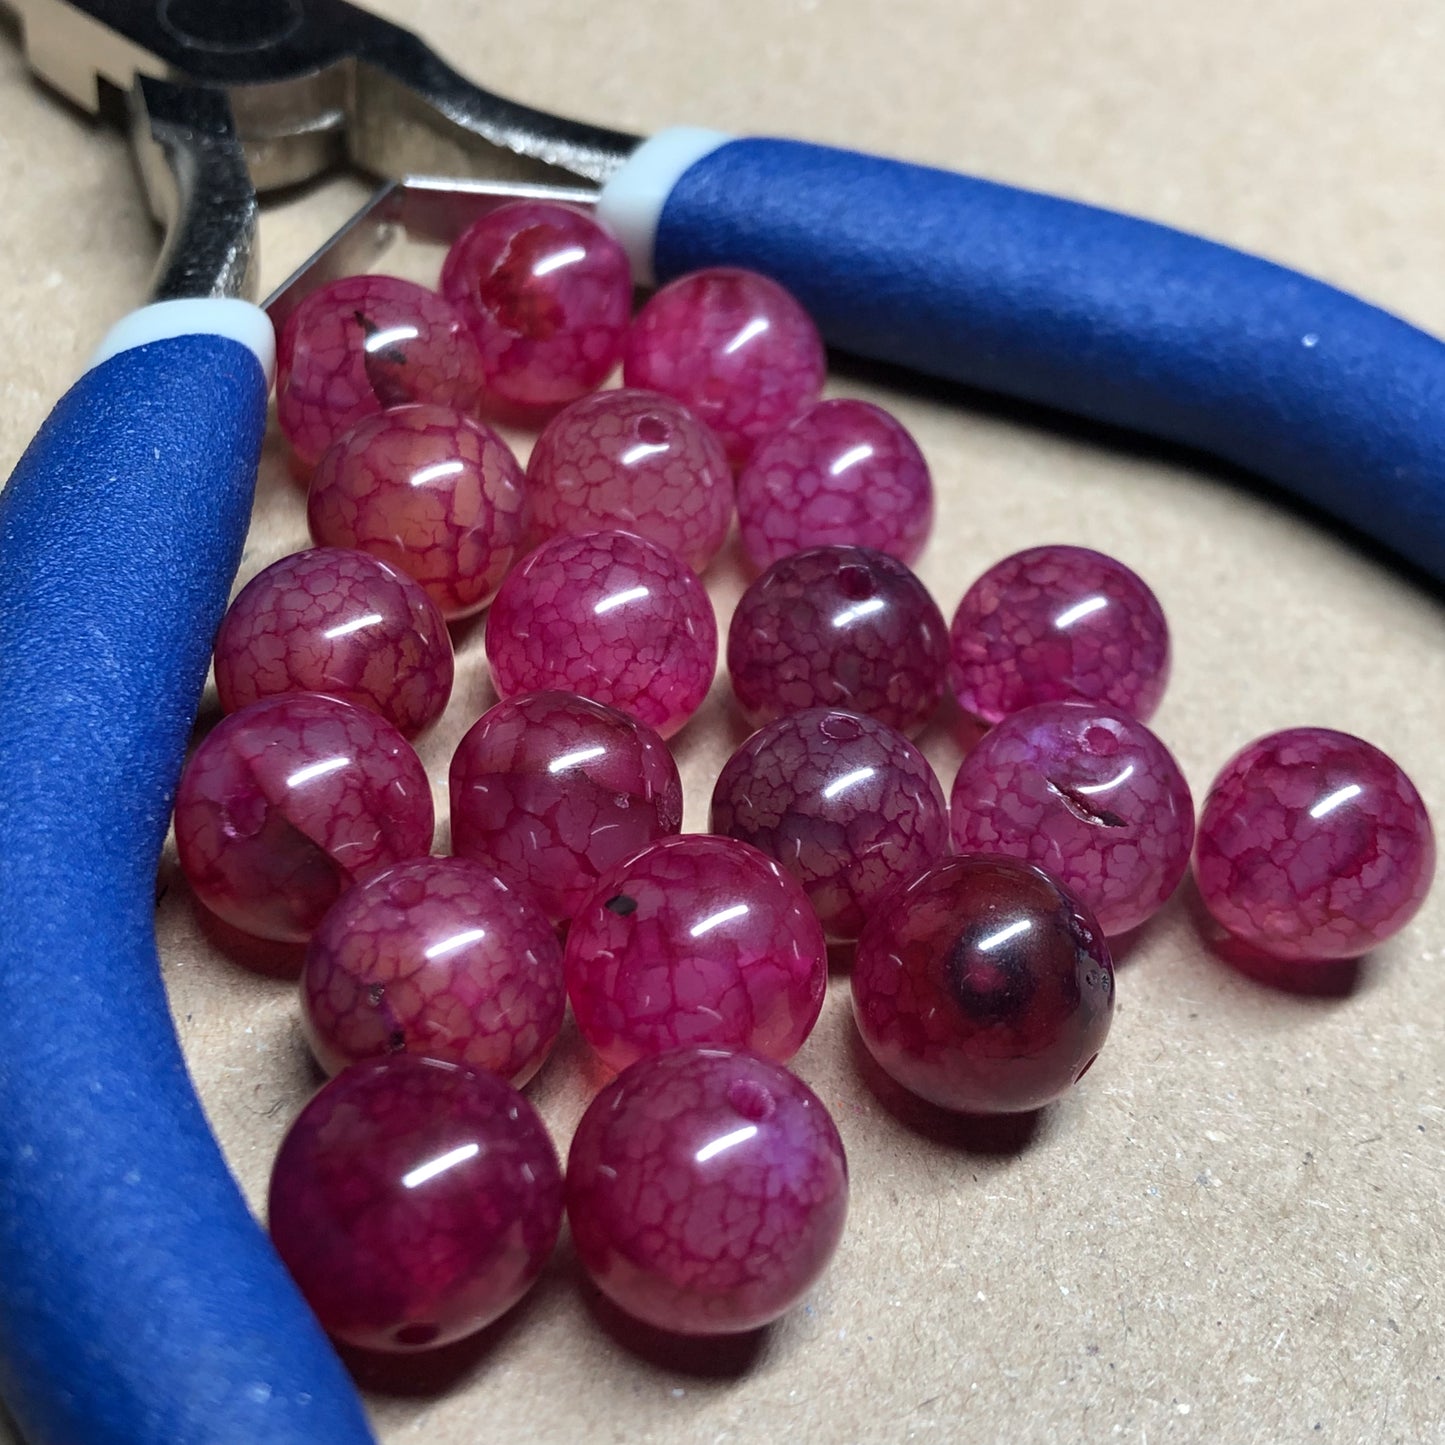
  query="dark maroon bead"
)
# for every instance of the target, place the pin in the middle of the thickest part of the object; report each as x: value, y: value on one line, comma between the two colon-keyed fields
x: 842, y: 627
x: 845, y: 804
x: 706, y: 1191
x: 414, y: 1202
x: 984, y: 986
x: 1089, y: 794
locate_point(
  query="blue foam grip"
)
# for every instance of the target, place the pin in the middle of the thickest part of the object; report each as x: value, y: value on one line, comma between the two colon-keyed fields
x: 140, y: 1304
x: 1090, y: 312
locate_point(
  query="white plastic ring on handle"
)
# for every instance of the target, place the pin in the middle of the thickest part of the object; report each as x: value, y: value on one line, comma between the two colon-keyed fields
x: 213, y: 316
x: 632, y: 201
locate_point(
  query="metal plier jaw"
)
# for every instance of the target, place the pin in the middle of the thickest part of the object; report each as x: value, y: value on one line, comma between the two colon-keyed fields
x: 229, y: 98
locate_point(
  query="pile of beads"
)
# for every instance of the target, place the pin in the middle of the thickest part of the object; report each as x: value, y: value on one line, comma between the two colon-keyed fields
x: 418, y: 1195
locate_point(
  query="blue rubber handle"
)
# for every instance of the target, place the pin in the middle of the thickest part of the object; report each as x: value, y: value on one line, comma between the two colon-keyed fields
x: 140, y: 1304
x: 1090, y: 312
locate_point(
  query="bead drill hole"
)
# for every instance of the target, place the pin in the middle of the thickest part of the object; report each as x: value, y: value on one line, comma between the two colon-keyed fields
x: 752, y: 1100
x: 416, y: 1335
x: 855, y: 583
x: 840, y: 728
x: 652, y: 430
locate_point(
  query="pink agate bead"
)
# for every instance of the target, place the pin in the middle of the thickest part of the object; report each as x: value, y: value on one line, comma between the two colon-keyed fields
x: 551, y: 790
x: 733, y: 347
x: 847, y: 806
x: 436, y: 956
x: 1090, y: 795
x: 635, y: 461
x: 706, y: 1191
x: 548, y: 295
x: 611, y: 616
x: 1055, y: 623
x: 290, y: 801
x: 361, y: 345
x: 842, y: 627
x: 435, y: 494
x: 414, y: 1202
x: 984, y: 986
x: 696, y: 940
x: 341, y: 622
x: 841, y: 472
x: 1313, y: 845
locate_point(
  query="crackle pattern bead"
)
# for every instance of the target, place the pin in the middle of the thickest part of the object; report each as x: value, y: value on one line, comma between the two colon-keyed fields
x: 435, y: 494
x: 984, y: 986
x: 550, y: 790
x: 849, y: 807
x: 547, y: 293
x: 841, y: 472
x: 435, y: 956
x: 1313, y: 845
x: 414, y: 1202
x: 290, y: 801
x: 843, y: 627
x: 632, y: 461
x: 706, y: 1191
x: 611, y: 616
x: 1090, y: 795
x: 341, y: 622
x: 695, y: 940
x: 733, y: 347
x: 361, y: 345
x: 1055, y: 623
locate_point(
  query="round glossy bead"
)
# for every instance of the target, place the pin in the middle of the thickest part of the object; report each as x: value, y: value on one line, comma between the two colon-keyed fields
x: 1313, y: 845
x: 843, y: 627
x: 984, y: 986
x: 548, y: 295
x: 634, y: 461
x: 696, y: 940
x: 550, y: 790
x: 363, y: 344
x: 840, y: 472
x: 430, y: 491
x: 290, y: 801
x: 435, y: 956
x: 341, y: 622
x: 611, y: 616
x: 733, y: 347
x: 1090, y: 795
x: 1055, y: 623
x: 414, y: 1202
x: 849, y: 807
x: 706, y: 1191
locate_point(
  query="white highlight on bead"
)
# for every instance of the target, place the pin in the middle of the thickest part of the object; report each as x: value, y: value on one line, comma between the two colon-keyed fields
x: 632, y: 201
x: 210, y: 316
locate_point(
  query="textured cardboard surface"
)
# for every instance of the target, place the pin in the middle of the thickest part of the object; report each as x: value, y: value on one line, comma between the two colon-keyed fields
x: 1232, y: 1230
